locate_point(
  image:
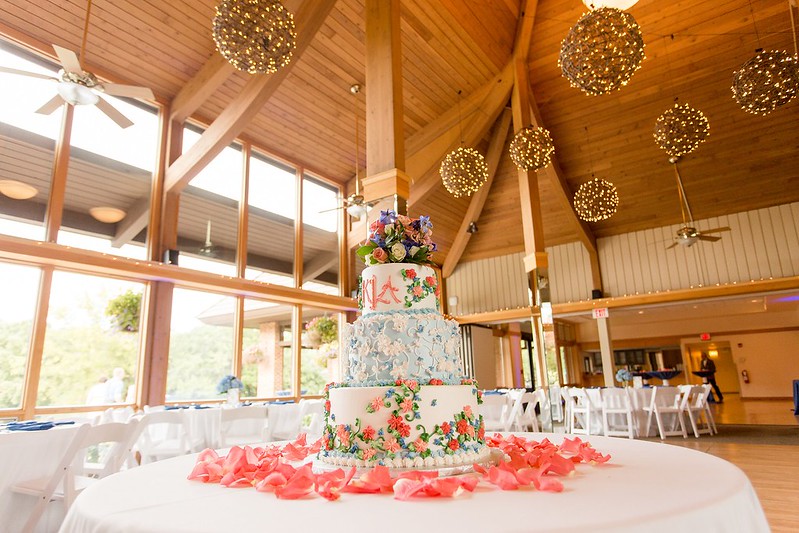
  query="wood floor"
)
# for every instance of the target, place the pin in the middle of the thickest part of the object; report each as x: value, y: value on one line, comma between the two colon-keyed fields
x: 773, y: 470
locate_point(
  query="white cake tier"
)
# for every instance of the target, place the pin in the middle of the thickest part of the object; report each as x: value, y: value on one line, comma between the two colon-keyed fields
x: 396, y: 286
x: 420, y: 345
x: 403, y: 426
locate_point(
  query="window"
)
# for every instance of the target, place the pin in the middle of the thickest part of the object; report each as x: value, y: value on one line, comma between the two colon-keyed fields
x: 84, y: 345
x: 267, y: 369
x: 320, y: 362
x: 320, y: 254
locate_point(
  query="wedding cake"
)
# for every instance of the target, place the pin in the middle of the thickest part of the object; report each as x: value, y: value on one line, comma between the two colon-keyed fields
x: 404, y: 402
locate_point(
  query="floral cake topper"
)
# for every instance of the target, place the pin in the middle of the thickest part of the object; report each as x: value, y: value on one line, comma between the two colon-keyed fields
x: 397, y: 238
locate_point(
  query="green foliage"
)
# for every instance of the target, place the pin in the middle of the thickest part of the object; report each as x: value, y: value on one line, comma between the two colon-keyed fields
x: 14, y: 341
x: 125, y: 310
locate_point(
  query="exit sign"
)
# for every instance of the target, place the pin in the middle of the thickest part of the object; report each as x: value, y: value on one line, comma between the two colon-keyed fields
x: 704, y: 336
x: 601, y: 312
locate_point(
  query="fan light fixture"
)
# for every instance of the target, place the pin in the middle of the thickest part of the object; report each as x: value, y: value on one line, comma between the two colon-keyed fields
x: 596, y: 200
x: 255, y: 36
x: 463, y: 171
x: 17, y: 190
x: 532, y: 148
x: 602, y: 51
x: 77, y: 94
x: 767, y: 81
x: 108, y: 215
x: 358, y: 210
x: 681, y: 129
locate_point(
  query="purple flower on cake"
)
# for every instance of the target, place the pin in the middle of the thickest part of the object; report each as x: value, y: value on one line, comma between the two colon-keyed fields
x: 397, y: 238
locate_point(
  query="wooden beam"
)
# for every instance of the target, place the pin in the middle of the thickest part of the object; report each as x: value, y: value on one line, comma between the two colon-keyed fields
x: 319, y: 264
x: 138, y: 215
x: 58, y: 177
x: 33, y: 367
x: 524, y: 30
x: 197, y: 90
x: 237, y: 115
x: 494, y: 154
x: 423, y: 164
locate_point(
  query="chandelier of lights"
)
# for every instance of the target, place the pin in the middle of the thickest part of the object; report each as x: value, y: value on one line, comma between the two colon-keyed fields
x: 531, y: 148
x: 681, y: 129
x: 766, y: 82
x: 602, y: 51
x: 596, y: 200
x: 255, y: 36
x: 463, y: 171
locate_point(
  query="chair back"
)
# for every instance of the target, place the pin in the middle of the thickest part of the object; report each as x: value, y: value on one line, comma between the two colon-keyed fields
x: 615, y: 398
x: 579, y: 399
x: 665, y: 397
x: 105, y: 448
x: 312, y: 417
x: 693, y: 397
x: 494, y: 409
x: 512, y: 419
x: 163, y: 433
x: 284, y: 422
x: 243, y: 425
x: 528, y: 419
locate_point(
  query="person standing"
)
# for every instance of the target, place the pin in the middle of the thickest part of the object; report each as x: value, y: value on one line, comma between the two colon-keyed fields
x: 708, y: 365
x: 115, y: 386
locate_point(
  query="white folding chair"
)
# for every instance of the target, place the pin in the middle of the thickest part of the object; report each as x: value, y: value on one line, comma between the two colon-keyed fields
x: 557, y: 395
x: 709, y: 412
x: 243, y: 425
x: 495, y: 410
x: 693, y: 404
x: 616, y: 408
x: 527, y: 419
x: 44, y: 488
x: 284, y: 422
x: 665, y: 402
x: 512, y: 421
x: 582, y: 411
x: 312, y: 418
x: 163, y: 434
x: 545, y: 408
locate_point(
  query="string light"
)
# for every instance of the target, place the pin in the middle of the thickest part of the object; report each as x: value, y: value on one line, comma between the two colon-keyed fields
x: 766, y: 82
x: 531, y: 148
x: 463, y: 171
x: 681, y: 129
x: 255, y: 36
x: 602, y: 51
x: 596, y: 200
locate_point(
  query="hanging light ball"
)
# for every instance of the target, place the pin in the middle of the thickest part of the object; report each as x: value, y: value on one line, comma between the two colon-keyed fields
x: 602, y: 51
x: 767, y: 81
x: 463, y: 171
x: 596, y: 200
x: 531, y: 148
x: 681, y: 129
x: 255, y: 36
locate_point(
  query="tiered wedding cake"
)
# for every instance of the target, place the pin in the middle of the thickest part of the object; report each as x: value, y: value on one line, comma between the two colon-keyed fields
x: 404, y: 402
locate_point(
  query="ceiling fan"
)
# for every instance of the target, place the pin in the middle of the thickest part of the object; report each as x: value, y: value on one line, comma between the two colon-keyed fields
x: 687, y: 235
x: 77, y: 86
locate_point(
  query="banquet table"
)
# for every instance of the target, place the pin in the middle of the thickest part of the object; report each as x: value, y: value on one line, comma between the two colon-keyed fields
x: 646, y: 486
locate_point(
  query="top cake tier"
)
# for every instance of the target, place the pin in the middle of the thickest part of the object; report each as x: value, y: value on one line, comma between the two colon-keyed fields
x: 397, y: 286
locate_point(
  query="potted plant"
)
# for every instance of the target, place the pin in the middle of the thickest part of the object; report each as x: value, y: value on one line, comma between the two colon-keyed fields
x: 230, y: 385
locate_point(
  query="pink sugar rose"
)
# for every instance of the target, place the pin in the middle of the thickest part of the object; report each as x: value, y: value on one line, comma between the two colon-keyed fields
x: 410, y: 273
x: 467, y: 410
x: 394, y: 422
x: 446, y: 428
x: 404, y: 430
x: 419, y: 445
x: 432, y: 281
x: 462, y: 426
x: 412, y: 384
x: 368, y: 433
x: 379, y: 255
x: 368, y: 453
x: 407, y: 405
x: 376, y: 404
x: 418, y: 291
x: 391, y: 445
x: 404, y: 220
x: 454, y: 444
x: 343, y: 434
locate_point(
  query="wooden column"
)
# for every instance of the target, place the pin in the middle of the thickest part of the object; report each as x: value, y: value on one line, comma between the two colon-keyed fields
x: 58, y: 178
x: 385, y: 141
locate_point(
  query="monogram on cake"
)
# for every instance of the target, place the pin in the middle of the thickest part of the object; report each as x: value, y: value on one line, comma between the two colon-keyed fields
x: 404, y: 402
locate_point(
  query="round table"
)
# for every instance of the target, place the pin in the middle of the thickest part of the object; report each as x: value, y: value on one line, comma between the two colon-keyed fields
x: 647, y: 486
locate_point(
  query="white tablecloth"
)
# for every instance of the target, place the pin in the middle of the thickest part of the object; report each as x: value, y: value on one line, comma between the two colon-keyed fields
x: 24, y: 456
x: 647, y: 486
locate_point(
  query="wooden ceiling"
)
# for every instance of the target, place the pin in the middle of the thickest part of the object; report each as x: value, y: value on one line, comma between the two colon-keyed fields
x: 692, y: 49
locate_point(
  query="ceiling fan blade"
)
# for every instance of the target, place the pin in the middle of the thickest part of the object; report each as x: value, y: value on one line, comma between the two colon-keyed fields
x: 54, y: 103
x: 672, y: 245
x: 130, y: 91
x: 26, y: 73
x: 715, y: 230
x: 711, y: 238
x: 121, y: 120
x: 68, y: 59
x: 334, y: 209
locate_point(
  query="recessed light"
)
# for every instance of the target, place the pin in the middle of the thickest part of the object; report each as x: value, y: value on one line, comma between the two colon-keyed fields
x: 17, y: 190
x: 108, y: 215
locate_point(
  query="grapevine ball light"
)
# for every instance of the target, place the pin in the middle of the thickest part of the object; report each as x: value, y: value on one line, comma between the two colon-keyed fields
x: 463, y: 171
x: 681, y: 129
x: 766, y: 82
x: 255, y: 36
x: 596, y: 200
x: 531, y: 148
x: 602, y: 51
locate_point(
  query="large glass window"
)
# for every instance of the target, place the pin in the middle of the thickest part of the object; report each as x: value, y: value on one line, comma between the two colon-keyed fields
x: 19, y: 286
x: 201, y: 344
x: 26, y: 142
x: 320, y: 217
x: 266, y: 359
x: 320, y: 360
x: 208, y: 219
x: 270, y: 234
x: 91, y: 342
